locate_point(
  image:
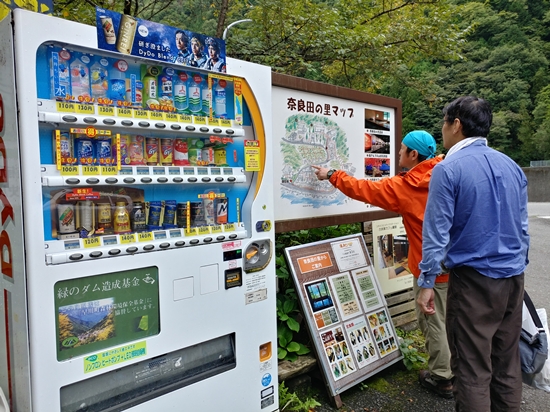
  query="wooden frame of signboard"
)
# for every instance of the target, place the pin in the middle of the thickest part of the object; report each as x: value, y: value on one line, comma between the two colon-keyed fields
x: 345, y: 310
x: 322, y: 89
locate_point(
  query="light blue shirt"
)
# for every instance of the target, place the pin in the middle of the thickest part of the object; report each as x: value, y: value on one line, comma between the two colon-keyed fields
x: 476, y: 216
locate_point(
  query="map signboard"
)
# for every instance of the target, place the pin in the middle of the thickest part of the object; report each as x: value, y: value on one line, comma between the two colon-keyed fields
x: 358, y: 135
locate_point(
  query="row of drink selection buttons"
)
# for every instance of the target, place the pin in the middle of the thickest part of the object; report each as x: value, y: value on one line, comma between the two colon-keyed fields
x: 147, y: 248
x: 129, y: 180
x: 128, y: 123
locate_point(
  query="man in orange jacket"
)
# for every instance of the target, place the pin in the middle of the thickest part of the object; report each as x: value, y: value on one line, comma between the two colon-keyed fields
x: 406, y: 194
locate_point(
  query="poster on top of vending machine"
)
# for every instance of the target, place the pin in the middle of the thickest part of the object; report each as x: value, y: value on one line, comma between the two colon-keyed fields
x: 137, y: 37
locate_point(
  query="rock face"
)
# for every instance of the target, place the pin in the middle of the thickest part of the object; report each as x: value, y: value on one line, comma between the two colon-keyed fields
x: 300, y: 366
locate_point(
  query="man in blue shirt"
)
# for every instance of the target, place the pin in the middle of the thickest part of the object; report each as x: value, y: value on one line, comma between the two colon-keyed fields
x: 475, y: 225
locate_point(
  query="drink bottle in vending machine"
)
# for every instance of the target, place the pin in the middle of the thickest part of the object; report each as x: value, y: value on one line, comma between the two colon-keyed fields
x: 130, y: 227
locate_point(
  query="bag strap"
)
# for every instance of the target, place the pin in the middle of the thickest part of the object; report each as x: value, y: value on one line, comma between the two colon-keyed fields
x: 532, y: 310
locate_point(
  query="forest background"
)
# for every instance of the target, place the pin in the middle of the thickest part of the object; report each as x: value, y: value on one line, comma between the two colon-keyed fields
x: 425, y: 53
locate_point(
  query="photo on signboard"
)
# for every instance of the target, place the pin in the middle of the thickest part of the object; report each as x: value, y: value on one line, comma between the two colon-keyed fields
x: 337, y: 353
x: 321, y: 303
x: 377, y: 167
x: 382, y: 331
x: 361, y: 342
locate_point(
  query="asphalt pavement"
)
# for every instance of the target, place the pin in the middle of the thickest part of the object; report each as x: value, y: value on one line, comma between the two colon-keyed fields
x: 397, y: 390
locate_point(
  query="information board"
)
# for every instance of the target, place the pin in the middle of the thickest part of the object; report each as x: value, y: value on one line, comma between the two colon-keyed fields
x: 345, y: 309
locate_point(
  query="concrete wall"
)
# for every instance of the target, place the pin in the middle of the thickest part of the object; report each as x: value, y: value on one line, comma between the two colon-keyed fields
x: 539, y: 183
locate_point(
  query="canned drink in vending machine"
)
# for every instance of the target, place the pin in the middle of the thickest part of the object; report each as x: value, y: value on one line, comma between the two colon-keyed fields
x: 222, y: 210
x: 207, y: 155
x: 170, y: 210
x: 181, y: 152
x: 209, y: 212
x: 104, y: 218
x: 152, y: 151
x: 66, y: 221
x: 155, y: 211
x: 138, y: 218
x: 166, y: 151
x: 181, y: 214
x: 84, y: 151
x: 103, y: 151
x: 66, y: 150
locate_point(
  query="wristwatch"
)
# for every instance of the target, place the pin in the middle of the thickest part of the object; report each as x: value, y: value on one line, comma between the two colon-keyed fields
x: 329, y: 173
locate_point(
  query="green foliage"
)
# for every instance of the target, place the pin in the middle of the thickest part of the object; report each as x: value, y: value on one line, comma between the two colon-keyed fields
x: 412, y: 348
x: 291, y: 343
x: 291, y: 402
x: 411, y: 357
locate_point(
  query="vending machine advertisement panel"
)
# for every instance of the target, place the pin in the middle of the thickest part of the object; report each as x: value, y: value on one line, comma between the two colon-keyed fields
x: 137, y: 227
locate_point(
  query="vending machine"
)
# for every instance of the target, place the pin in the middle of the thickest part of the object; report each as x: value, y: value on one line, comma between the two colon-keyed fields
x: 137, y: 239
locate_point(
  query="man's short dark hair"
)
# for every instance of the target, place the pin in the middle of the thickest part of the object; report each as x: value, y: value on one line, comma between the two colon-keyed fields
x: 421, y: 158
x: 475, y: 115
x: 183, y: 36
x: 213, y: 43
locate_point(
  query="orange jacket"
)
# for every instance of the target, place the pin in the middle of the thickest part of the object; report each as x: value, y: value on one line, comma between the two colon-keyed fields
x: 405, y: 194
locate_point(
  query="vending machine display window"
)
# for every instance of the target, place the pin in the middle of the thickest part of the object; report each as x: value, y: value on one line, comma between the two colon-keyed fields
x: 132, y: 385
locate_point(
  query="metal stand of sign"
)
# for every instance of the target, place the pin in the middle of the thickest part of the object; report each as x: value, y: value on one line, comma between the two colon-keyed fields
x: 345, y: 309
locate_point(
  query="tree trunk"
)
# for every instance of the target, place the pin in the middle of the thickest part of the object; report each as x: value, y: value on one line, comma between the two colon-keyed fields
x: 221, y: 18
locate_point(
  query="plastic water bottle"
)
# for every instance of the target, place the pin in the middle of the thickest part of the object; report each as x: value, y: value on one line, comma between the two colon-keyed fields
x: 206, y: 94
x: 179, y: 85
x: 80, y: 81
x: 60, y: 74
x: 118, y: 86
x: 220, y: 102
x: 195, y: 94
x: 99, y: 78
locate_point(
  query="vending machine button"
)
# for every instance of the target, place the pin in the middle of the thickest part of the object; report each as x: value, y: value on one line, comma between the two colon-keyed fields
x: 132, y: 249
x: 127, y: 123
x: 207, y: 240
x: 144, y: 124
x: 175, y: 127
x: 160, y: 125
x: 69, y: 118
x: 192, y: 179
x: 129, y: 180
x: 146, y: 180
x: 148, y: 247
x: 206, y: 179
x: 111, y: 180
x: 219, y: 179
x: 220, y: 238
x: 230, y: 131
x: 231, y: 179
x: 204, y: 129
x: 190, y: 128
x: 177, y: 179
x: 92, y: 181
x: 180, y: 243
x: 233, y: 236
x: 217, y: 130
x: 114, y: 252
x: 109, y: 122
x: 162, y: 179
x: 72, y: 181
x: 90, y: 120
x: 76, y: 256
x: 96, y: 254
x: 194, y: 241
x: 164, y: 245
